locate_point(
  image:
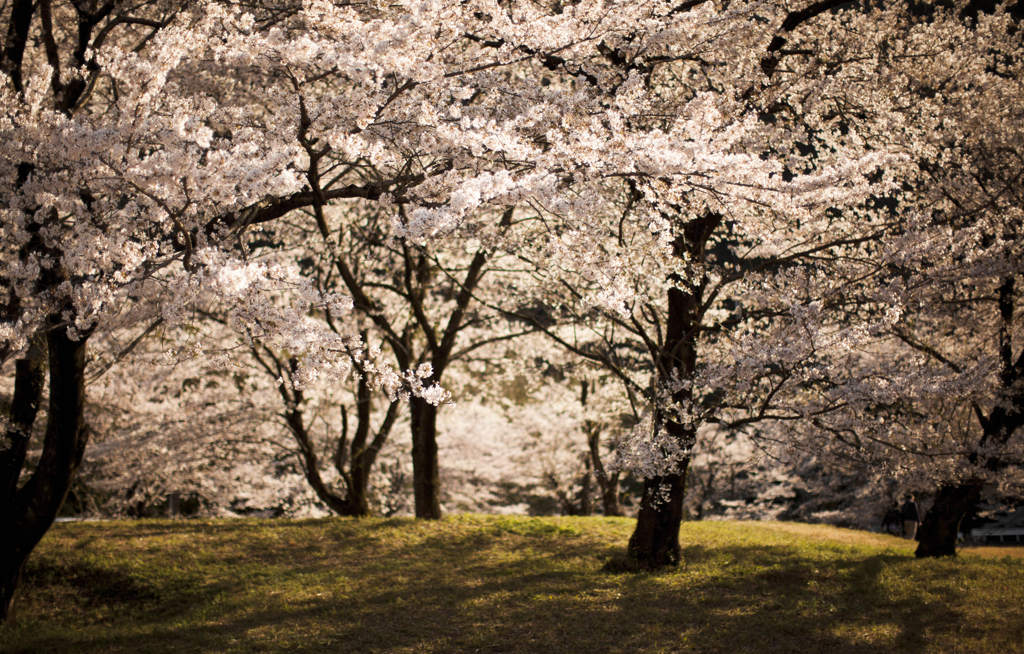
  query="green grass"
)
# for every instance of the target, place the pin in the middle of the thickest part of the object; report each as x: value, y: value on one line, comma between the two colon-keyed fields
x: 501, y: 584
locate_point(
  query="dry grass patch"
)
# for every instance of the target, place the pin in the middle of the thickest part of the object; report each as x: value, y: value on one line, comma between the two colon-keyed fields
x: 995, y: 551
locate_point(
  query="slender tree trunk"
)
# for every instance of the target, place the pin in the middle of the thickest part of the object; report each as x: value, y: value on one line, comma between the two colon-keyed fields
x: 311, y: 462
x: 610, y: 496
x: 942, y: 522
x: 357, y: 477
x: 608, y: 483
x: 419, y: 273
x: 426, y: 477
x: 363, y: 454
x: 357, y: 494
x: 707, y: 488
x: 19, y: 24
x: 29, y: 514
x: 586, y: 490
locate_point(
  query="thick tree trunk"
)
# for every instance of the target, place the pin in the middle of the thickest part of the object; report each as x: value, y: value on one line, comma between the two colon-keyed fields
x: 426, y: 477
x: 941, y: 524
x: 32, y: 510
x: 29, y: 379
x: 655, y: 540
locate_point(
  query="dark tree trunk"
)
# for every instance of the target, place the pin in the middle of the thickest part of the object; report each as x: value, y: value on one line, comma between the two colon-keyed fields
x: 362, y: 455
x: 608, y: 483
x: 353, y: 461
x: 707, y: 487
x: 357, y: 493
x: 29, y: 378
x: 310, y: 461
x: 941, y: 524
x: 419, y: 273
x: 19, y: 23
x: 610, y: 496
x: 426, y: 477
x: 953, y: 502
x: 34, y: 506
x: 357, y: 479
x: 655, y: 541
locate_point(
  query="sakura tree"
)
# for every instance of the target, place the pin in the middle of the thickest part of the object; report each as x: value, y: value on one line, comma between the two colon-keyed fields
x: 651, y: 280
x: 889, y: 340
x: 224, y: 439
x: 848, y: 322
x: 417, y: 294
x: 140, y: 144
x: 934, y: 397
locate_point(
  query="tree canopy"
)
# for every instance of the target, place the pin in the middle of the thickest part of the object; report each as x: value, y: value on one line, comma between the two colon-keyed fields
x: 802, y: 220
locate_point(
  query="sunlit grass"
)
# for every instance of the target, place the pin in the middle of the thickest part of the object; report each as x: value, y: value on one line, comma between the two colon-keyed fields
x: 502, y: 584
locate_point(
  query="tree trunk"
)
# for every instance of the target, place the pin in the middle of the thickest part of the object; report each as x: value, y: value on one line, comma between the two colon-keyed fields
x: 610, y: 496
x: 586, y: 490
x: 32, y: 510
x: 655, y: 540
x: 357, y: 494
x: 311, y: 462
x: 29, y: 379
x: 426, y: 477
x: 363, y: 455
x: 608, y: 483
x: 941, y: 524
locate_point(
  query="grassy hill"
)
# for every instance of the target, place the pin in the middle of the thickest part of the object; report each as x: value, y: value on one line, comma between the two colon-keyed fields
x: 501, y: 584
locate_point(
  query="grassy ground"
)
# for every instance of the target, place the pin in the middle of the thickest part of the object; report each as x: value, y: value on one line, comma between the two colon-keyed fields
x: 508, y: 585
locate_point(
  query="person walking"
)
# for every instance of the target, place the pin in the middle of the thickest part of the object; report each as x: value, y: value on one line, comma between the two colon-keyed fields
x: 911, y: 517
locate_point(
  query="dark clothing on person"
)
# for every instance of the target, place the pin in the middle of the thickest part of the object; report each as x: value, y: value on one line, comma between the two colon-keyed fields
x: 892, y: 518
x: 910, y: 511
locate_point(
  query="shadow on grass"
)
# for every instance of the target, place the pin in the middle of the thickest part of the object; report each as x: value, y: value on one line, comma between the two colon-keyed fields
x: 90, y: 583
x: 499, y: 590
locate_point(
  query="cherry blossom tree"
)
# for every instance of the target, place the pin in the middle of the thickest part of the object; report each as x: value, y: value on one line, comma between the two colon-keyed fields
x: 418, y: 295
x: 563, y: 420
x: 934, y: 397
x: 139, y: 145
x: 807, y: 316
x: 232, y: 440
